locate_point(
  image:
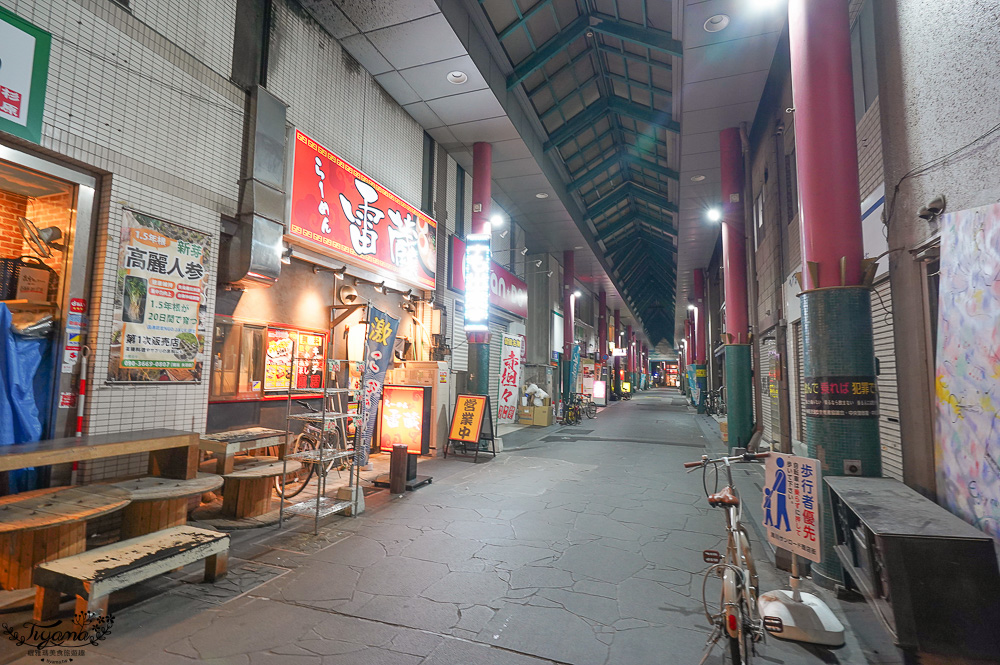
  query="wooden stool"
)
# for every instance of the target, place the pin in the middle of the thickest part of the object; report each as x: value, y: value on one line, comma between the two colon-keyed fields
x: 160, y: 503
x: 248, y: 489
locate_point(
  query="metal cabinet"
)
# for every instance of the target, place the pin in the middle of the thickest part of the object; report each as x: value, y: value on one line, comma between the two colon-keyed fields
x: 932, y: 579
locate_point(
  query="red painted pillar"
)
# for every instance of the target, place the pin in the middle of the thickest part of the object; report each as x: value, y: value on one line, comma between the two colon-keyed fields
x: 739, y: 370
x: 616, y: 381
x: 479, y: 341
x: 699, y: 317
x: 688, y: 340
x: 602, y: 327
x: 837, y: 340
x: 630, y: 346
x: 825, y: 142
x: 734, y: 244
x: 569, y: 286
x: 482, y: 174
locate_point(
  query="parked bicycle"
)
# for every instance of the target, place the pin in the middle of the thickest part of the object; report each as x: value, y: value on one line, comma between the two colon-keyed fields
x: 587, y: 405
x: 715, y: 401
x: 333, y: 440
x: 737, y: 619
x: 571, y: 412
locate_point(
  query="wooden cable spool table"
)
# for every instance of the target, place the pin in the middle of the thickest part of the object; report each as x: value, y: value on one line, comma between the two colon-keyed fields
x: 48, y: 524
x: 160, y: 503
x: 248, y: 489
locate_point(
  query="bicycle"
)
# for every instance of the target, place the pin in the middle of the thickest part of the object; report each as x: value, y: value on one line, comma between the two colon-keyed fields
x: 715, y: 402
x: 587, y: 405
x: 333, y: 441
x: 571, y: 415
x: 738, y: 619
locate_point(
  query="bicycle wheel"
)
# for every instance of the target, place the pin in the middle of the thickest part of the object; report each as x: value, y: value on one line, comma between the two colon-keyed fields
x: 333, y: 443
x: 741, y: 648
x: 295, y: 481
x: 591, y: 410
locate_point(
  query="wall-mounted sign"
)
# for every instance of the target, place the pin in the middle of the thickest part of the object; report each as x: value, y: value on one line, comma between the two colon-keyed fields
x: 405, y: 417
x: 339, y: 211
x: 162, y: 279
x: 510, y: 377
x: 278, y: 359
x: 840, y: 397
x: 310, y: 354
x: 24, y: 73
x: 618, y: 352
x: 477, y: 283
x: 507, y: 290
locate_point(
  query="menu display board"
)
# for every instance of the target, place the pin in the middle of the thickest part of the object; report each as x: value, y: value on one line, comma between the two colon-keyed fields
x: 405, y: 418
x: 340, y: 211
x: 310, y: 361
x: 163, y: 274
x: 278, y: 359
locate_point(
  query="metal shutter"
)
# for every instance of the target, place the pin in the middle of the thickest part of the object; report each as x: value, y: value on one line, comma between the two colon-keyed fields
x: 459, y: 345
x: 767, y: 348
x: 885, y: 351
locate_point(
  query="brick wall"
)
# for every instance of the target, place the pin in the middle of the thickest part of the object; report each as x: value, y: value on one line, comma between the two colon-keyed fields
x: 12, y: 206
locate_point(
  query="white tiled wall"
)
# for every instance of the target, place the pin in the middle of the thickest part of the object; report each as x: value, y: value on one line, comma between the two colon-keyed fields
x: 152, y: 106
x: 340, y: 105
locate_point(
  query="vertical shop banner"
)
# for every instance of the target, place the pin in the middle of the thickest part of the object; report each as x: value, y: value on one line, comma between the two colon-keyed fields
x: 510, y: 377
x: 574, y: 368
x: 791, y: 504
x: 967, y: 424
x: 339, y: 211
x: 157, y: 331
x: 24, y: 73
x: 378, y: 356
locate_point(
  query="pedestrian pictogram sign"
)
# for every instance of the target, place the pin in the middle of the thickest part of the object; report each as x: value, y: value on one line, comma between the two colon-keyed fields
x: 792, y: 504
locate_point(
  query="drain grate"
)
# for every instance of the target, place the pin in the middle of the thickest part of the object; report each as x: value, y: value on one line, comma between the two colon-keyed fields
x: 575, y: 430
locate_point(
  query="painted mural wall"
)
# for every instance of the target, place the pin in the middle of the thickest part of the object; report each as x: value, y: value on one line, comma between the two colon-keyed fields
x: 967, y: 381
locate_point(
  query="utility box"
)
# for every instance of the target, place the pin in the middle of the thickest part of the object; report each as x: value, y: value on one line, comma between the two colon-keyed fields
x: 932, y: 578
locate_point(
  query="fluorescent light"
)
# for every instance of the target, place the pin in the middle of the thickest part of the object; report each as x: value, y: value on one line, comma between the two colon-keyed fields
x: 496, y: 220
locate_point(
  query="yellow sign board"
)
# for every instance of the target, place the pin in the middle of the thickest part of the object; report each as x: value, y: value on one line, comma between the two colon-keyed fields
x: 700, y: 373
x: 467, y: 419
x: 626, y: 386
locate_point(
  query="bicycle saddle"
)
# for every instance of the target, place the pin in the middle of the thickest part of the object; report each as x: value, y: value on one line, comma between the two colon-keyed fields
x: 724, y: 498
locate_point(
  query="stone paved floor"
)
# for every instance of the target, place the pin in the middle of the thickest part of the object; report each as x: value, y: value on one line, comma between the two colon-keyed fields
x: 576, y: 545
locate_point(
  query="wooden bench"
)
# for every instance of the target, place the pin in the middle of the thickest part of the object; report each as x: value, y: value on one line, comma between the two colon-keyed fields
x: 248, y: 489
x: 172, y: 453
x: 160, y: 503
x: 47, y: 524
x: 226, y: 445
x: 95, y: 575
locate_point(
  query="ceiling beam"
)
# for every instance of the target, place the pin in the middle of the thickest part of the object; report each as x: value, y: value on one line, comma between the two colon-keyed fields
x: 645, y: 86
x: 506, y: 32
x: 578, y: 123
x: 628, y: 55
x: 548, y: 50
x: 583, y: 120
x: 620, y: 155
x: 642, y: 113
x: 648, y: 37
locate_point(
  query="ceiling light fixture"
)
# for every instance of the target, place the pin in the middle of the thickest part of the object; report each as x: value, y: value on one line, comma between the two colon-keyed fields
x: 496, y: 220
x: 691, y: 307
x: 716, y: 23
x: 697, y: 178
x: 541, y: 195
x: 538, y: 263
x: 524, y: 250
x: 505, y: 232
x: 457, y: 77
x: 714, y: 215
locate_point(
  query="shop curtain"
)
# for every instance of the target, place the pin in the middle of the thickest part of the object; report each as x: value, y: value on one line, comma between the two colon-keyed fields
x: 24, y: 388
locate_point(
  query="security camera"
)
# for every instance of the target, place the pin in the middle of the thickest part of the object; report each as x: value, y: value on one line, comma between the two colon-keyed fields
x: 933, y: 208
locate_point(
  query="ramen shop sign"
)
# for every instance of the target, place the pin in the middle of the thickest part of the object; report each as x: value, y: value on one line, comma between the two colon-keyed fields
x: 477, y: 282
x: 339, y: 211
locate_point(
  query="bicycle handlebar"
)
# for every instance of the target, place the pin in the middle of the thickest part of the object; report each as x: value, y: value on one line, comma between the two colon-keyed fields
x: 745, y: 457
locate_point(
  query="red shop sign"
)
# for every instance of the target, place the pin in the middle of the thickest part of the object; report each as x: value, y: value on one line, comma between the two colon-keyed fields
x: 341, y: 212
x: 507, y: 290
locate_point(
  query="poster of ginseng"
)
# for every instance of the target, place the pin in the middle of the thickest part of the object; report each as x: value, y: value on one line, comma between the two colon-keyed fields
x: 157, y: 331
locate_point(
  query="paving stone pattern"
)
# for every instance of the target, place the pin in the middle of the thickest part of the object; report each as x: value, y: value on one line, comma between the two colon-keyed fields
x: 582, y: 552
